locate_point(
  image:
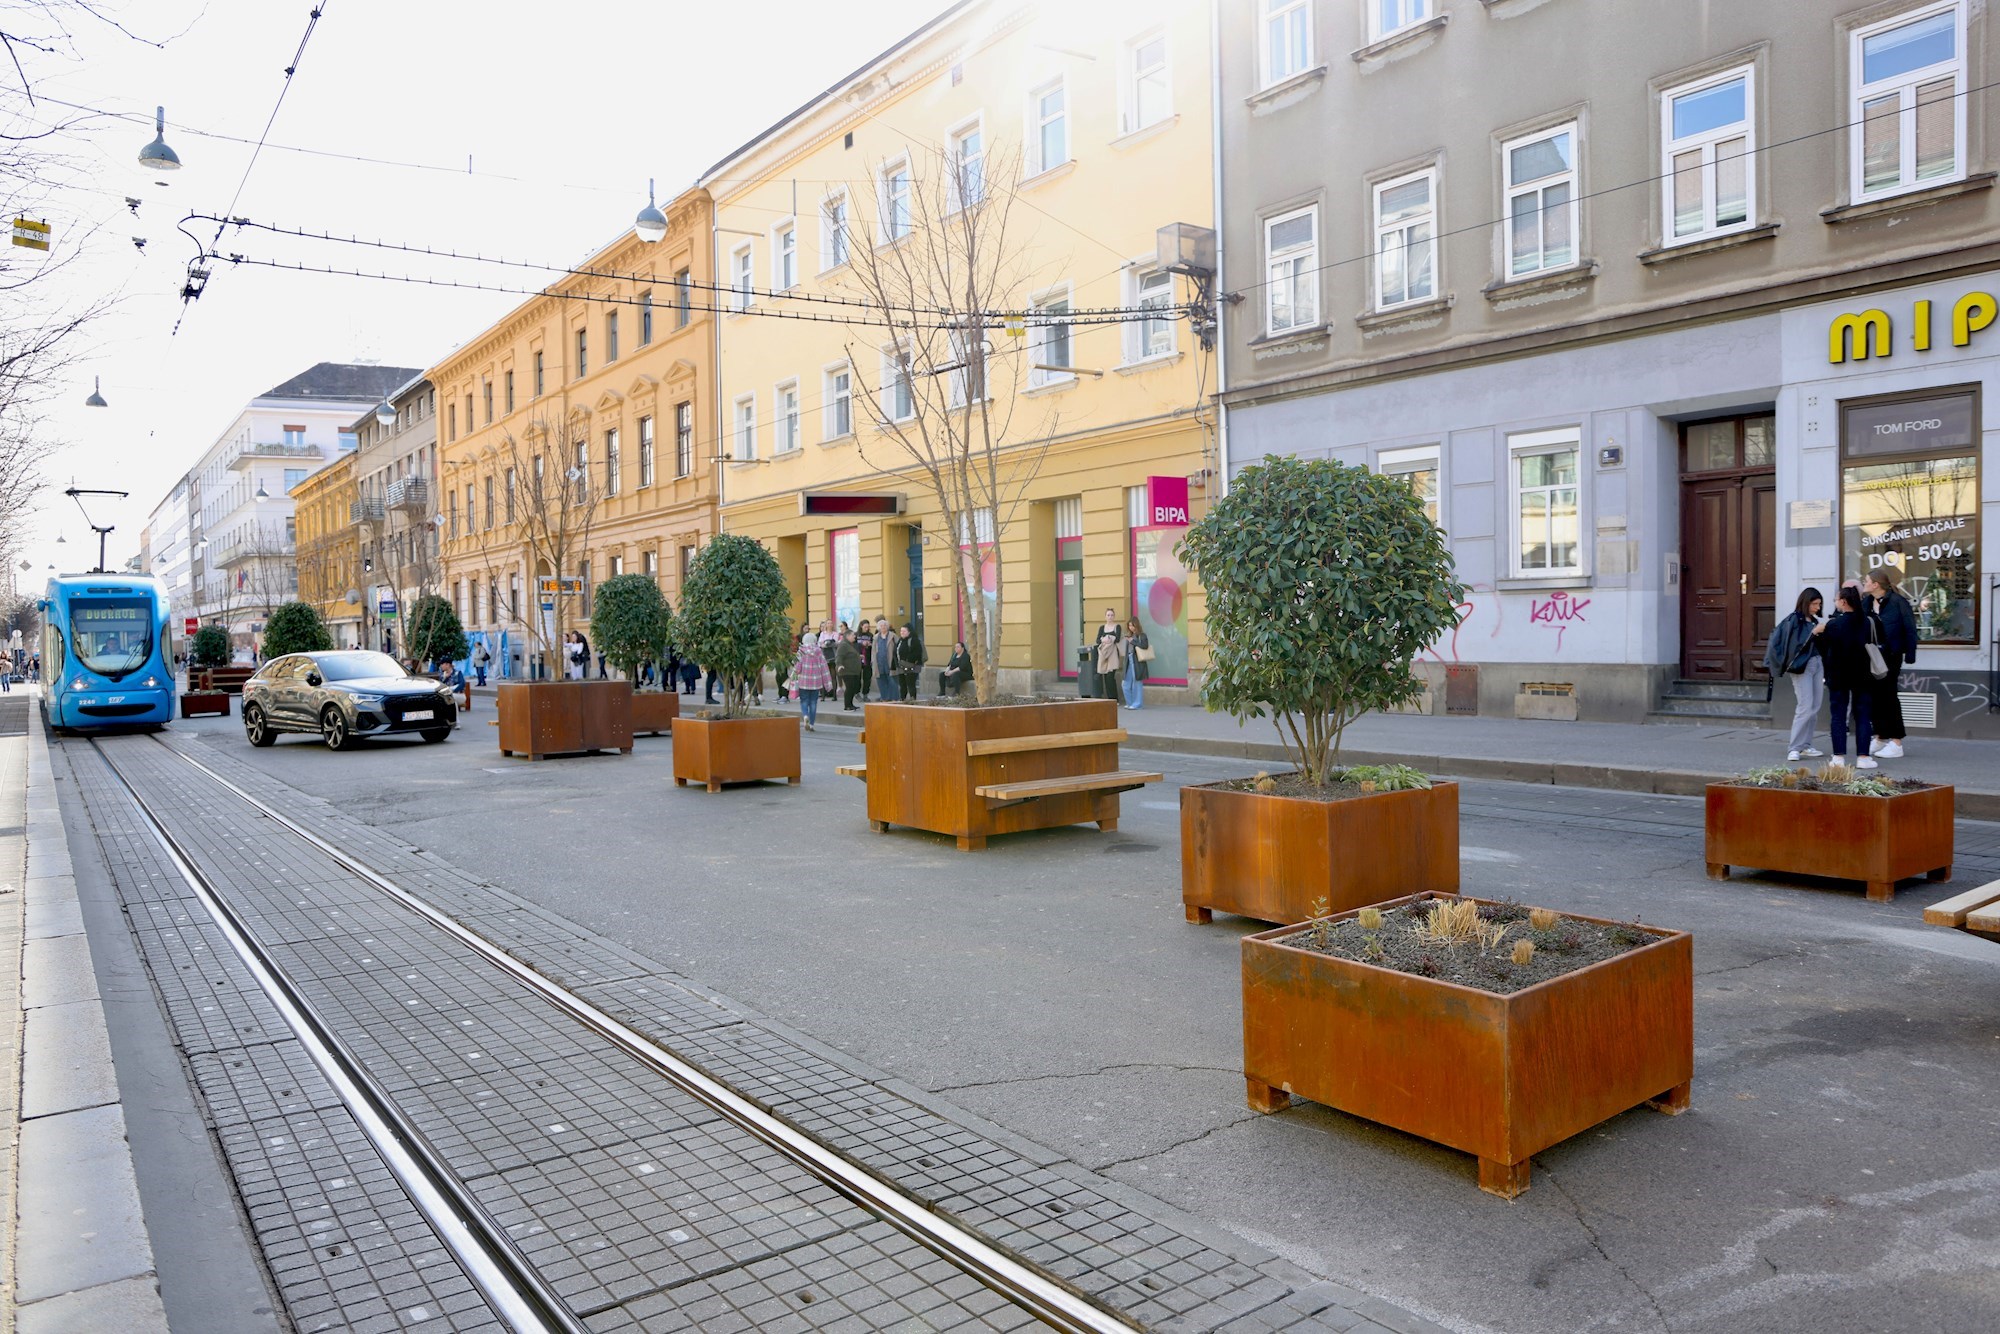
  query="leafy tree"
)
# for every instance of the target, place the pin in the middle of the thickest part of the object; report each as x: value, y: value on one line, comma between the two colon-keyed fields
x: 1324, y: 582
x: 733, y: 614
x: 631, y: 622
x: 210, y: 647
x: 295, y: 627
x: 434, y: 633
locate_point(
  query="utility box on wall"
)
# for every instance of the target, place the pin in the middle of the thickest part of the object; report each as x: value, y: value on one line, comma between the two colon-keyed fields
x: 1461, y: 689
x: 1554, y: 701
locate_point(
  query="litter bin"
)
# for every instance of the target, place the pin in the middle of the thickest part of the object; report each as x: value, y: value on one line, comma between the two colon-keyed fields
x: 1086, y: 674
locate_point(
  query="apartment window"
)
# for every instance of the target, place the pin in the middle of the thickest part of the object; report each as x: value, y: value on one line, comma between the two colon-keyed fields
x: 1405, y: 240
x: 1908, y: 115
x: 1291, y: 291
x: 486, y: 389
x: 514, y: 598
x: 468, y: 411
x: 451, y: 420
x: 617, y: 566
x: 785, y: 257
x: 741, y: 262
x: 582, y: 353
x: 580, y: 471
x: 610, y: 336
x: 899, y: 401
x: 788, y: 416
x: 537, y: 479
x: 683, y: 298
x: 683, y: 439
x: 1547, y: 523
x: 1287, y: 46
x: 837, y: 393
x: 293, y: 476
x: 687, y: 564
x: 645, y: 451
x: 746, y: 428
x: 1049, y: 336
x: 471, y: 513
x: 540, y: 383
x: 1048, y: 127
x: 1388, y: 17
x: 294, y: 435
x: 650, y: 564
x: 508, y: 380
x: 1418, y: 467
x: 1148, y: 93
x: 611, y: 462
x: 1706, y: 161
x: 833, y: 232
x: 896, y: 200
x: 645, y: 318
x: 1541, y: 201
x: 349, y: 442
x: 453, y: 515
x: 968, y: 165
x: 583, y: 580
x: 489, y: 502
x: 510, y: 495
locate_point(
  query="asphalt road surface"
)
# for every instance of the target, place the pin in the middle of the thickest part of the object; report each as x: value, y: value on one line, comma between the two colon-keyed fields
x: 1839, y: 1170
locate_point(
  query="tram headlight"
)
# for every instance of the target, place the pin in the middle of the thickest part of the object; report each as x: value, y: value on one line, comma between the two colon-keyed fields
x: 152, y: 683
x: 77, y: 684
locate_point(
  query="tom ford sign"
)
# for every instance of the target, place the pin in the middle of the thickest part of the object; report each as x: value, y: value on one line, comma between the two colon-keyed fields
x: 1872, y: 333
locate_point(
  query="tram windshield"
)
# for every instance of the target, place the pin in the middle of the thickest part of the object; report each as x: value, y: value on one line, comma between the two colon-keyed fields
x: 111, y: 636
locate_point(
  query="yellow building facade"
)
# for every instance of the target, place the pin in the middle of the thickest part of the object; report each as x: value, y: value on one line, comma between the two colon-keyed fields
x: 600, y: 385
x: 329, y: 549
x: 1087, y: 129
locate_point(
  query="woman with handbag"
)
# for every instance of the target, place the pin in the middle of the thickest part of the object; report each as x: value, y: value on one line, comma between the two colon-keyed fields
x: 1107, y: 657
x: 1138, y: 652
x: 1790, y: 653
x: 1850, y: 647
x: 1899, y: 646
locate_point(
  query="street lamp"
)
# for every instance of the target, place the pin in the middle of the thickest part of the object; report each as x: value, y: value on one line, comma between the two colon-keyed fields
x: 651, y: 224
x: 385, y: 416
x: 96, y: 399
x: 262, y: 495
x: 156, y: 154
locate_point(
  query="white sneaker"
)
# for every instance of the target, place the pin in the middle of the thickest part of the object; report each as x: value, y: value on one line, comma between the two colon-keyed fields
x: 1812, y: 754
x: 1865, y: 763
x: 1875, y: 746
x: 1890, y: 750
x: 1795, y: 755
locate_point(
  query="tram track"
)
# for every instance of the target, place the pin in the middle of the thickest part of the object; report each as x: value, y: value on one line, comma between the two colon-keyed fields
x: 505, y: 1276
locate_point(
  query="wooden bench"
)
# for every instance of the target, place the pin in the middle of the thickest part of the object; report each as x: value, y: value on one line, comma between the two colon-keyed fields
x: 1017, y: 745
x: 1976, y: 911
x: 999, y: 795
x: 853, y: 770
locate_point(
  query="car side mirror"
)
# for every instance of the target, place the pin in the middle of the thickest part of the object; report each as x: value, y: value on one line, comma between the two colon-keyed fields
x: 314, y: 679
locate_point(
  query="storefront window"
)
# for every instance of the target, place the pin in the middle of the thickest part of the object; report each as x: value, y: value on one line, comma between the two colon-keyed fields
x: 844, y: 574
x: 1909, y: 483
x: 1159, y: 600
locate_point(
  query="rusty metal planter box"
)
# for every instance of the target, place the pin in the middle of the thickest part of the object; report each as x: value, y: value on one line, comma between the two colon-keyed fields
x: 204, y: 703
x: 1499, y: 1076
x: 543, y: 718
x: 1878, y: 840
x: 1273, y: 857
x: 654, y: 711
x: 714, y: 751
x: 921, y: 776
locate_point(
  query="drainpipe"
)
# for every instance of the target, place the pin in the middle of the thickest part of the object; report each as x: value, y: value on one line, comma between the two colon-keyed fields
x: 1221, y: 247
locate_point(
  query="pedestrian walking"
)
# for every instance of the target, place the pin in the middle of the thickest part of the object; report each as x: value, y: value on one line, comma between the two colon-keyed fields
x: 6, y: 673
x: 1790, y: 653
x: 1850, y: 681
x: 847, y: 662
x: 908, y: 653
x: 809, y: 678
x: 1138, y: 652
x: 481, y: 659
x: 957, y: 669
x: 690, y: 673
x: 1107, y: 657
x: 602, y: 675
x: 1899, y: 646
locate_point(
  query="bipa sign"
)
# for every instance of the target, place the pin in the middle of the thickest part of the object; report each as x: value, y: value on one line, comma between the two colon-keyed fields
x: 1169, y: 496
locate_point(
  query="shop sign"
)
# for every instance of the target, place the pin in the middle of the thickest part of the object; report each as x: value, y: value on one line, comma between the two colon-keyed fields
x: 1910, y: 499
x: 1872, y: 333
x: 1169, y: 496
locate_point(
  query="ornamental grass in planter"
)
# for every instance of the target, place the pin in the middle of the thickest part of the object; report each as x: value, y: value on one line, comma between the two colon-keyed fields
x: 1324, y: 581
x: 1837, y: 822
x: 632, y: 622
x: 732, y: 621
x: 1493, y: 1028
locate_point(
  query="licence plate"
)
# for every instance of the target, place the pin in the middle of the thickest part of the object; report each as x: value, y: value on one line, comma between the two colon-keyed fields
x: 416, y: 715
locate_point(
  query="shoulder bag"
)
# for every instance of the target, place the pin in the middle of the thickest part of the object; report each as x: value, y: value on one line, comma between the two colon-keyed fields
x: 1143, y: 653
x: 1878, y: 666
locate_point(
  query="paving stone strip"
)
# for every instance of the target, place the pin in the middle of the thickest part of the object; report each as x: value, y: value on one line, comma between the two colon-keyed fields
x: 631, y: 1197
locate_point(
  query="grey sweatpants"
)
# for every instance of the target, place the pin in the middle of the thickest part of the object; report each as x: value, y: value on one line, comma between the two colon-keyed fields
x: 1810, y: 687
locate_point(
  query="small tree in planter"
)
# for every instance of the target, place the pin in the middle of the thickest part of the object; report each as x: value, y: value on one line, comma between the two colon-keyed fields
x: 295, y: 627
x: 434, y: 633
x: 733, y: 622
x: 210, y: 647
x: 630, y: 624
x: 1324, y: 582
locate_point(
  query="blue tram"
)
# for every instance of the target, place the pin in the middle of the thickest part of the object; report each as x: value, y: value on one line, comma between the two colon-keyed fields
x: 107, y: 653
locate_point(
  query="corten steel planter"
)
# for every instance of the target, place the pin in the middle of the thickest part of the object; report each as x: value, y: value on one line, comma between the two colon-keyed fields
x: 224, y: 680
x: 1879, y: 840
x: 1274, y: 857
x: 714, y: 751
x: 1500, y: 1077
x: 543, y: 718
x: 922, y: 771
x: 204, y: 704
x: 654, y: 711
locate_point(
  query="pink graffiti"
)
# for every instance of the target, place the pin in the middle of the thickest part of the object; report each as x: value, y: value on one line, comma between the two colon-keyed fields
x: 1560, y: 610
x: 1466, y: 611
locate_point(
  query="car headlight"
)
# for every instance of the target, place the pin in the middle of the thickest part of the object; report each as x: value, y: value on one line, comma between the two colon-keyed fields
x: 367, y: 701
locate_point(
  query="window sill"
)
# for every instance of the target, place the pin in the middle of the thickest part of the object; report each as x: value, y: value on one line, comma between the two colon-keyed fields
x: 1048, y: 174
x: 1133, y: 138
x: 1708, y: 245
x: 1285, y: 91
x: 1530, y: 583
x: 1930, y: 194
x: 1382, y: 46
x: 846, y: 438
x: 1535, y: 284
x: 787, y: 455
x: 832, y: 269
x: 1290, y: 336
x: 1063, y: 385
x: 1154, y: 362
x: 1375, y: 321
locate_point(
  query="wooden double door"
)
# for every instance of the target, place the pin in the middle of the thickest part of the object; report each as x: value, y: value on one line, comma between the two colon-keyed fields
x: 1729, y: 547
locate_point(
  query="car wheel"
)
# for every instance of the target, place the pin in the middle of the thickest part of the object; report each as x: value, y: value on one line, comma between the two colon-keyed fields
x: 436, y: 734
x: 333, y: 727
x: 257, y: 727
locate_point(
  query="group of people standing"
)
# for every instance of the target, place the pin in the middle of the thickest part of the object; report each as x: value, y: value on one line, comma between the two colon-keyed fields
x: 1118, y: 661
x: 870, y: 656
x: 1854, y: 658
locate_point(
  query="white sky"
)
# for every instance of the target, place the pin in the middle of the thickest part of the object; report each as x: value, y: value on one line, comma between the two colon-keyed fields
x: 580, y: 102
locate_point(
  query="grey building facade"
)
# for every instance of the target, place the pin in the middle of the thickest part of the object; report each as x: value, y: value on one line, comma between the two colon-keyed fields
x: 1670, y: 309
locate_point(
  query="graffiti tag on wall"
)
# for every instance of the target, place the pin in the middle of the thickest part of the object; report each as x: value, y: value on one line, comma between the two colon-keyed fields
x: 1560, y: 610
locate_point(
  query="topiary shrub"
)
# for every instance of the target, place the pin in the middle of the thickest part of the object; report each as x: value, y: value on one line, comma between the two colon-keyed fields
x: 210, y: 647
x: 434, y: 634
x: 733, y: 614
x: 295, y: 627
x: 631, y: 622
x: 1324, y: 582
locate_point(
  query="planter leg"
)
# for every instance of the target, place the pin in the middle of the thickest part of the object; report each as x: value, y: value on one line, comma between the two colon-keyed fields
x: 791, y: 782
x: 879, y: 826
x: 1263, y: 1098
x: 972, y: 842
x: 1109, y: 826
x: 1503, y: 1179
x: 1675, y: 1100
x: 1718, y: 871
x: 714, y: 786
x: 1941, y: 873
x: 680, y: 782
x: 1199, y: 916
x: 1881, y: 891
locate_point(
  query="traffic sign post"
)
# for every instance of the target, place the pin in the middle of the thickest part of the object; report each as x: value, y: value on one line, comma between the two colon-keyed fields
x: 190, y: 625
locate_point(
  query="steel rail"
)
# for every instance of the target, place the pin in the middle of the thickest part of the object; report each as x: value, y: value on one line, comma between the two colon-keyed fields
x: 511, y: 1285
x: 1050, y: 1301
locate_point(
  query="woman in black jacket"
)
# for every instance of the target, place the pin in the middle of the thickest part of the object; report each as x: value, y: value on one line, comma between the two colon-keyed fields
x: 1899, y: 646
x: 1850, y: 679
x: 957, y: 670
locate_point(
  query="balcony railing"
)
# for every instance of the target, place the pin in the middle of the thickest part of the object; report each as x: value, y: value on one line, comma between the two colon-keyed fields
x: 238, y: 552
x: 366, y: 510
x: 411, y: 493
x: 268, y: 449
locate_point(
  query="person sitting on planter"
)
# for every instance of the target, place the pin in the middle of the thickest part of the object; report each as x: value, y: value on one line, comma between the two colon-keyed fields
x: 847, y: 658
x: 1899, y: 646
x: 809, y: 677
x: 454, y: 681
x: 1138, y: 649
x: 957, y: 670
x: 883, y: 649
x: 1850, y: 680
x: 908, y: 651
x: 1790, y: 653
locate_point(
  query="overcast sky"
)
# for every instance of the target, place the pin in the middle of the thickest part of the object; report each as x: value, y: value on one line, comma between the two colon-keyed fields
x: 563, y: 112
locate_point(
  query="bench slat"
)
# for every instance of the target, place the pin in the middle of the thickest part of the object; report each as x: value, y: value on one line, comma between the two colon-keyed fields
x: 1055, y: 787
x: 1012, y: 745
x: 853, y: 770
x: 1984, y: 921
x: 1954, y: 910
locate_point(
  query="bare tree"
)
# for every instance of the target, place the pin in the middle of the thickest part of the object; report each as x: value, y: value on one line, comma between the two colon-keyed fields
x: 555, y: 506
x: 950, y: 384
